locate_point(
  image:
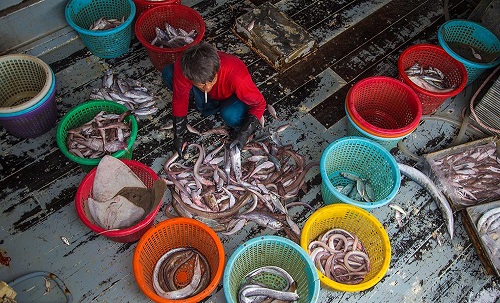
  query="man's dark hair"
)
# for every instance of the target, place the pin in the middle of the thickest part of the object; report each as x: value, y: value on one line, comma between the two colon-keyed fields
x: 200, y: 63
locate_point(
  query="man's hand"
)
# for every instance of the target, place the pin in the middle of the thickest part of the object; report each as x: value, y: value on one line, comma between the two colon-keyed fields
x: 248, y: 127
x: 179, y: 132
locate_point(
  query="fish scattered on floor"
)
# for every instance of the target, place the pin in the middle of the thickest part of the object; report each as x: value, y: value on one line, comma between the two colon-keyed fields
x: 272, y: 111
x: 441, y: 201
x: 128, y: 92
x: 65, y: 240
x: 103, y: 23
x: 234, y: 190
x: 429, y: 78
x: 172, y: 37
x: 400, y: 213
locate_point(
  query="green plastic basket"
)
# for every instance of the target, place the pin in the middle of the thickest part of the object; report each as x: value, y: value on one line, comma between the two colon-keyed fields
x: 83, y: 113
x: 272, y: 251
x: 364, y: 158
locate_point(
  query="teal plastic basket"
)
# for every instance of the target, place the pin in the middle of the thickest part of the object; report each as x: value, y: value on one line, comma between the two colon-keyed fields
x: 111, y: 43
x: 272, y: 251
x: 471, y: 33
x: 364, y: 158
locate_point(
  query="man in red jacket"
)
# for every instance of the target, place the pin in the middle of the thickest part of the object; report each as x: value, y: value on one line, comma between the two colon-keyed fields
x: 219, y: 83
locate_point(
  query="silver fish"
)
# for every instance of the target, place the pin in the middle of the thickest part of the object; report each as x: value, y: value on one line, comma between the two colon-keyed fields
x: 262, y: 219
x: 250, y: 25
x: 236, y: 162
x: 435, y: 193
x: 272, y: 111
x: 65, y: 240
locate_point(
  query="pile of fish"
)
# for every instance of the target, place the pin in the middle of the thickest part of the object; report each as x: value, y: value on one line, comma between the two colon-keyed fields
x: 340, y: 256
x: 225, y: 190
x: 128, y: 92
x: 103, y: 24
x: 106, y: 133
x: 167, y: 280
x: 488, y: 229
x: 358, y: 189
x: 254, y: 289
x: 172, y: 37
x: 472, y: 175
x: 430, y: 78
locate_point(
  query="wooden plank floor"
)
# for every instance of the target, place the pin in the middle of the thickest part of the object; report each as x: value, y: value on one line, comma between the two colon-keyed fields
x: 357, y: 39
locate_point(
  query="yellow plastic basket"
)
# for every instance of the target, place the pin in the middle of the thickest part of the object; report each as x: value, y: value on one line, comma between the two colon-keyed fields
x: 356, y: 221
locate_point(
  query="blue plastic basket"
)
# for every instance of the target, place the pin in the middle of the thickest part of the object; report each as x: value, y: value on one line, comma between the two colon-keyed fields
x: 471, y: 33
x: 81, y: 14
x: 272, y: 251
x: 364, y: 158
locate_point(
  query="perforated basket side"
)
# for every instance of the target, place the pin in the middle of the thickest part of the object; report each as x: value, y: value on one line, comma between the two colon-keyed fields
x: 143, y: 5
x: 384, y: 105
x: 271, y: 251
x: 427, y: 55
x: 111, y: 43
x: 469, y: 33
x: 170, y: 234
x: 85, y: 112
x: 129, y: 234
x: 358, y: 222
x: 364, y: 158
x: 178, y: 16
x: 25, y: 79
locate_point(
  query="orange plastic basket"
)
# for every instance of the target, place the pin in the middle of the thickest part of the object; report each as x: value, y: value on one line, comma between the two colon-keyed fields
x: 175, y: 233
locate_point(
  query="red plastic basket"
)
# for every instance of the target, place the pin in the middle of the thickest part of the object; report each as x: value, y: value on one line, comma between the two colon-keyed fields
x: 384, y: 107
x: 178, y: 16
x: 432, y: 55
x: 143, y: 5
x: 129, y: 234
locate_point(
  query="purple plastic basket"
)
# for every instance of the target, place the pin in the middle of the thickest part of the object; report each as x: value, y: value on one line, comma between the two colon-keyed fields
x: 35, y: 122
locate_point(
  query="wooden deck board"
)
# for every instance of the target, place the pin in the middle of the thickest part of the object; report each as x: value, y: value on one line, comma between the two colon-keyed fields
x: 38, y: 183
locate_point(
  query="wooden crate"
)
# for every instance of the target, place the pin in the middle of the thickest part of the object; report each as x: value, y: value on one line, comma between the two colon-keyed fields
x: 274, y: 36
x: 438, y: 175
x: 470, y: 217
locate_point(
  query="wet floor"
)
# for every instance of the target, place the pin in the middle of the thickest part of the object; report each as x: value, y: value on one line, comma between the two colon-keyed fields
x: 356, y: 39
